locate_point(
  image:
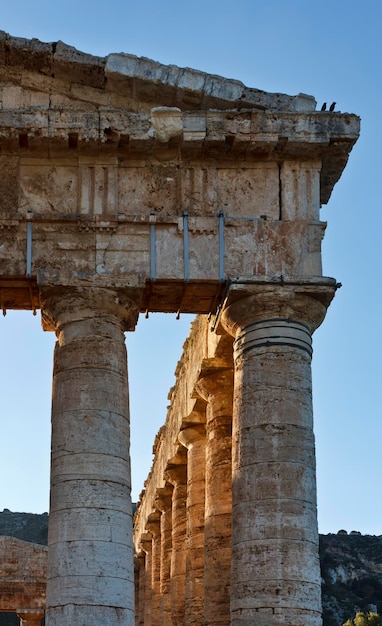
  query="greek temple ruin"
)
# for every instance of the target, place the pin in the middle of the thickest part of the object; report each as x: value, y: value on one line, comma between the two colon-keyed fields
x: 129, y: 187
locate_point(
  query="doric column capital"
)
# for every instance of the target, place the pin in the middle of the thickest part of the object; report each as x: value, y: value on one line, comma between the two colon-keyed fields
x: 30, y: 617
x: 139, y: 560
x: 304, y: 304
x: 163, y: 497
x: 176, y: 474
x: 62, y: 305
x: 146, y: 543
x: 175, y: 471
x: 214, y: 381
x: 190, y: 434
x: 153, y: 523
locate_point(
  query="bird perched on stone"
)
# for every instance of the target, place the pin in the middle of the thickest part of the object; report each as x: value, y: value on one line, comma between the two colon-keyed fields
x: 323, y: 108
x: 332, y: 106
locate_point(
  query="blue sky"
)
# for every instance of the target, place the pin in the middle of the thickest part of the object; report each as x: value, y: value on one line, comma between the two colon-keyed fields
x: 332, y: 50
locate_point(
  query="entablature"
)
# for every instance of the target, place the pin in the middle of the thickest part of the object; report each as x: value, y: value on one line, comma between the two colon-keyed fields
x: 169, y: 135
x: 168, y: 181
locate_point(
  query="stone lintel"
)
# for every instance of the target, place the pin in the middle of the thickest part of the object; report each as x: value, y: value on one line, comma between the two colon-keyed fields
x: 17, y: 292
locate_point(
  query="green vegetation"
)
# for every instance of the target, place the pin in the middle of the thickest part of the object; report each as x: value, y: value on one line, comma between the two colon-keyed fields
x: 365, y: 619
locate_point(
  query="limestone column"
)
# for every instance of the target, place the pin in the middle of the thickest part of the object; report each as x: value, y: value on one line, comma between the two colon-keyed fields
x: 163, y: 502
x: 176, y: 474
x: 216, y: 387
x: 153, y: 526
x: 139, y: 573
x: 147, y: 547
x: 193, y: 437
x: 275, y: 561
x: 90, y: 575
x: 30, y: 617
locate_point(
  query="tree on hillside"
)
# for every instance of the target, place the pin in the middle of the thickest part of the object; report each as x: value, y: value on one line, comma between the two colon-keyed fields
x: 365, y: 619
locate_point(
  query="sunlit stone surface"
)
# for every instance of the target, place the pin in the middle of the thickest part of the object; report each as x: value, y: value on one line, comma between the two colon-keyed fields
x: 127, y: 186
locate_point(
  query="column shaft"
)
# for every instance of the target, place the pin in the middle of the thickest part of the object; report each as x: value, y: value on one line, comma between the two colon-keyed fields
x: 177, y: 476
x: 217, y: 389
x: 140, y: 610
x: 90, y: 578
x: 139, y: 565
x: 193, y: 437
x: 153, y: 526
x: 147, y: 547
x: 163, y: 502
x: 275, y: 561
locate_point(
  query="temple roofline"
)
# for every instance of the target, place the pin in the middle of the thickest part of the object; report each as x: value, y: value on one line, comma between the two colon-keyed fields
x: 184, y: 87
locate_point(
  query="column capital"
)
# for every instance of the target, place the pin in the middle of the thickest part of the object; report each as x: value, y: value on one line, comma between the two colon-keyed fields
x: 139, y: 559
x: 30, y: 617
x: 62, y: 305
x: 191, y: 433
x: 153, y: 523
x: 176, y: 474
x: 214, y: 381
x: 146, y: 542
x: 304, y: 304
x: 163, y: 497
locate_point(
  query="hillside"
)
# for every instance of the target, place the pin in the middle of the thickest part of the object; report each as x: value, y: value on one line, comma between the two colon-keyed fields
x: 351, y: 566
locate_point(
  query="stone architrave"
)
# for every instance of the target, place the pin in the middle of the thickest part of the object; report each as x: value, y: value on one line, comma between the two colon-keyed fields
x: 163, y: 501
x: 216, y: 387
x: 176, y: 474
x: 90, y: 575
x: 275, y: 560
x: 193, y: 437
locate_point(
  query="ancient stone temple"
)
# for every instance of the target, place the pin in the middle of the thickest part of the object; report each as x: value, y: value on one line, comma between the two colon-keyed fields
x: 128, y: 187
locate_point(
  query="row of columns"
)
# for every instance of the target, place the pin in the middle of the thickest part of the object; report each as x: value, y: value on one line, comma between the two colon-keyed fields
x: 232, y: 538
x: 244, y: 536
x: 192, y: 519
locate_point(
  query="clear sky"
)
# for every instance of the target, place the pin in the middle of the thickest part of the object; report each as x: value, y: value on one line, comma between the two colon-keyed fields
x: 330, y: 49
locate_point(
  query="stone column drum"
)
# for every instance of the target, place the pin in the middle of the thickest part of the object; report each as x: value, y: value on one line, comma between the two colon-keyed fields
x: 163, y: 501
x: 90, y: 578
x: 176, y: 474
x: 139, y: 588
x: 193, y: 437
x: 275, y: 560
x: 153, y: 526
x: 217, y: 389
x: 147, y: 547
